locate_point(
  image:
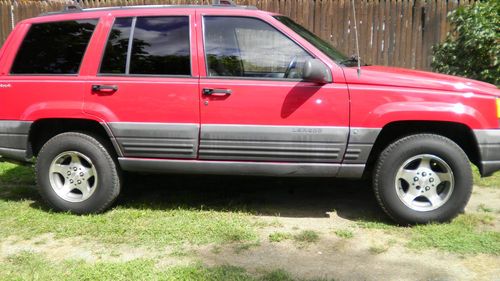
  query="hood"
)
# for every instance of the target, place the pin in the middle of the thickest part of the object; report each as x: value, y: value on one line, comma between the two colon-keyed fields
x: 401, y: 77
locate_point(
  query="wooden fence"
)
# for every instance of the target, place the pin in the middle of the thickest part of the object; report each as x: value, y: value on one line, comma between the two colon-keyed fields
x: 392, y: 32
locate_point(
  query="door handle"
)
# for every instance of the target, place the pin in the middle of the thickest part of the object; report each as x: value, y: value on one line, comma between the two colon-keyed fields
x: 217, y: 92
x: 104, y: 88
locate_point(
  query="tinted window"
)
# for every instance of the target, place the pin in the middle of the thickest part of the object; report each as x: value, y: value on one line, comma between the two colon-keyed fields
x: 248, y: 47
x: 161, y: 46
x: 115, y: 56
x: 54, y: 48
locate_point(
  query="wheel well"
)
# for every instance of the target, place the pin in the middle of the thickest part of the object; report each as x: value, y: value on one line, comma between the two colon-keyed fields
x: 459, y: 133
x: 42, y: 130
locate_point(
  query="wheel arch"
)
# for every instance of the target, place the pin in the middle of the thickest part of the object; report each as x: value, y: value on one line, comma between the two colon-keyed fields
x: 43, y: 129
x: 459, y: 133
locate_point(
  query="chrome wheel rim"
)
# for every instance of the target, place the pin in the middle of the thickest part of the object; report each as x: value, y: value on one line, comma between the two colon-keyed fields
x: 424, y: 182
x: 73, y: 176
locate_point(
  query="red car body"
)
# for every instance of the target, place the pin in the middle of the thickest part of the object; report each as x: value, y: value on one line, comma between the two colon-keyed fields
x: 379, y: 97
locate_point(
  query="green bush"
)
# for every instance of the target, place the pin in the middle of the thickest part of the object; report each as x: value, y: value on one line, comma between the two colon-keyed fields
x: 472, y: 48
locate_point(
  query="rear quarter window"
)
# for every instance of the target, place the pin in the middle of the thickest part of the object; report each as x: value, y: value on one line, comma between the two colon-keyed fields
x: 54, y: 47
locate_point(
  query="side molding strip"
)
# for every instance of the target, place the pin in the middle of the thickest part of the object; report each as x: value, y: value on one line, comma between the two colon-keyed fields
x: 156, y: 140
x: 489, y: 149
x: 361, y: 141
x: 241, y: 168
x: 312, y: 144
x: 14, y: 139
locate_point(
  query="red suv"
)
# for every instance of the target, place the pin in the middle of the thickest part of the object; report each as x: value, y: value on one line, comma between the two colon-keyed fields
x: 232, y: 91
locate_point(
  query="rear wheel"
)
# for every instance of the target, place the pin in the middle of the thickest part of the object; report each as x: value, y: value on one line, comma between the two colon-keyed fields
x: 423, y: 178
x: 76, y: 173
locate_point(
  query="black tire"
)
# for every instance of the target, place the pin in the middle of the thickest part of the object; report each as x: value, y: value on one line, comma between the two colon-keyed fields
x: 397, y: 154
x: 107, y: 188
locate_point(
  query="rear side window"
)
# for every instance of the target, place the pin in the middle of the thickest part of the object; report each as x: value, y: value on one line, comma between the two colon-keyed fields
x: 54, y: 47
x: 159, y: 46
x: 115, y: 56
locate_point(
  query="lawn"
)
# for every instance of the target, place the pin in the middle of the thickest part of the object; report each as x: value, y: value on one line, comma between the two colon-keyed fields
x: 29, y: 266
x: 158, y: 229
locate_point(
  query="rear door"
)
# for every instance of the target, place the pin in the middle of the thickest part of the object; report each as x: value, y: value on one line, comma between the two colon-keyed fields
x: 146, y: 86
x: 40, y: 77
x: 43, y: 79
x: 254, y: 106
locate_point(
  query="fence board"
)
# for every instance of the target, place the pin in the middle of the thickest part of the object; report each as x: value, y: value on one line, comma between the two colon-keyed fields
x: 392, y: 32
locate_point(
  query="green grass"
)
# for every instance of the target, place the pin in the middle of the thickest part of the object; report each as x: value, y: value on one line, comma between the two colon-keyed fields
x: 492, y: 181
x: 12, y: 174
x: 460, y: 236
x: 306, y: 236
x: 484, y: 208
x: 30, y: 266
x: 241, y: 247
x: 129, y: 226
x: 22, y: 214
x: 467, y: 234
x: 344, y: 233
x: 279, y: 236
x: 389, y: 226
x: 264, y: 224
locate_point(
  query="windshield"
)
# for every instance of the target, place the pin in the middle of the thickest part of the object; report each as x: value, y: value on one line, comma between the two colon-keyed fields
x: 319, y: 43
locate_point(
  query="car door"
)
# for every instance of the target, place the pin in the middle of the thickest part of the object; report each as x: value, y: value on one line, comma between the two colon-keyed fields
x: 254, y: 106
x: 146, y: 86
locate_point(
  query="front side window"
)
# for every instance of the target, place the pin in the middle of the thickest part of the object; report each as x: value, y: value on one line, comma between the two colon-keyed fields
x: 316, y: 41
x: 159, y: 46
x: 54, y: 47
x: 249, y: 47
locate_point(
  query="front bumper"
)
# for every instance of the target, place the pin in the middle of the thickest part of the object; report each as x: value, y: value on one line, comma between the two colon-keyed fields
x: 489, y: 150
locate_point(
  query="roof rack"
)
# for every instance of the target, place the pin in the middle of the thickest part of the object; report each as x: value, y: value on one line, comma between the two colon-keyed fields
x: 75, y: 8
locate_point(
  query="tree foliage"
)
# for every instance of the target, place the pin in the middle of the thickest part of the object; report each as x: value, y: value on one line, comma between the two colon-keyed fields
x: 472, y: 48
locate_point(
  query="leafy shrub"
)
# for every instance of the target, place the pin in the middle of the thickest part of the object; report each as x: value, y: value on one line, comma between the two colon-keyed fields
x: 472, y: 48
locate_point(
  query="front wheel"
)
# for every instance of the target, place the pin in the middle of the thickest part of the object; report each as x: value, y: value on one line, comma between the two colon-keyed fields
x: 423, y: 178
x: 77, y: 173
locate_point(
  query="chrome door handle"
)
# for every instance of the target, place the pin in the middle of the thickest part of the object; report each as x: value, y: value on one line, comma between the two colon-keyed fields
x: 217, y: 92
x: 104, y: 88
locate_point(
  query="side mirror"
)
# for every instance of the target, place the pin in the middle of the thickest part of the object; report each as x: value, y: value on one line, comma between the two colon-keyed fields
x: 317, y: 72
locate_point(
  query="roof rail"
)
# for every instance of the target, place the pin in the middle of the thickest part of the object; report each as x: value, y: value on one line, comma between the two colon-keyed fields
x: 75, y: 8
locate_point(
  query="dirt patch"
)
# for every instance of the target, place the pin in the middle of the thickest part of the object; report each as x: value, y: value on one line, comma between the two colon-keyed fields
x: 343, y: 260
x: 485, y: 267
x: 88, y: 251
x: 371, y: 254
x: 487, y: 201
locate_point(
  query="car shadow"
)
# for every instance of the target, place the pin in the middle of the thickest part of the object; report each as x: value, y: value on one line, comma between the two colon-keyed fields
x: 261, y: 196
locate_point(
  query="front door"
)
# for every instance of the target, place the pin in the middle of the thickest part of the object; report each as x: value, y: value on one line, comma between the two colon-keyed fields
x: 254, y: 106
x: 146, y: 87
